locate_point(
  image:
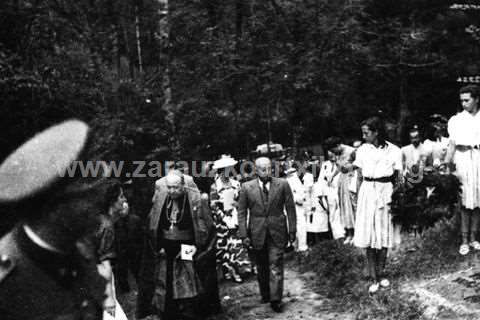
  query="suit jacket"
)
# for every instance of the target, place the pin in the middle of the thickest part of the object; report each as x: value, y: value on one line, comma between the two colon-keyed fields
x: 270, y: 217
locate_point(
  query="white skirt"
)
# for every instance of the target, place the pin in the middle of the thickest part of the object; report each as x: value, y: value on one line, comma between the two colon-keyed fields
x: 373, y: 225
x: 318, y: 221
x: 468, y: 171
x: 338, y: 230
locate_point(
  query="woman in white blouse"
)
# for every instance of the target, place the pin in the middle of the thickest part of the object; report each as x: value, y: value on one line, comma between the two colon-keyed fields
x: 464, y: 152
x: 379, y: 164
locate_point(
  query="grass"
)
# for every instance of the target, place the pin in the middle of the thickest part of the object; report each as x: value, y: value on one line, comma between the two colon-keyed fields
x: 337, y: 272
x: 341, y: 277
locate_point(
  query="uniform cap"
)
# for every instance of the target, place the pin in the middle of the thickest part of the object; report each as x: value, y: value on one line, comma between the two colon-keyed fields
x: 42, y: 160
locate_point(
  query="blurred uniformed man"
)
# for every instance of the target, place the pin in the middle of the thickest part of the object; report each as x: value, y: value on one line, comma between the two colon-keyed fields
x: 47, y: 261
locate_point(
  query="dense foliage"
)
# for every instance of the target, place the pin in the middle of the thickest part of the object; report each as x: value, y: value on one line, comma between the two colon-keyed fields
x: 235, y: 69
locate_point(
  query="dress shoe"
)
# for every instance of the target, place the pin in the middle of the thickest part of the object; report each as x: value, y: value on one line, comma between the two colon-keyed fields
x: 276, y: 306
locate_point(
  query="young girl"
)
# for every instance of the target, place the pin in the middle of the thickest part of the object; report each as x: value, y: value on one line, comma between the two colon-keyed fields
x: 379, y: 164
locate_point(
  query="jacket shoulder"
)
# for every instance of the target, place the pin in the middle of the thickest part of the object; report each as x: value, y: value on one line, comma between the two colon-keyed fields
x: 249, y: 184
x: 280, y: 181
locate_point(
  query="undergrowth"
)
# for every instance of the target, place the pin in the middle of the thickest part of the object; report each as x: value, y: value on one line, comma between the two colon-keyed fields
x: 340, y: 273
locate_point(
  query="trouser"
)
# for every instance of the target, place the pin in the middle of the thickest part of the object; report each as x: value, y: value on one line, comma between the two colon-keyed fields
x: 301, y: 242
x: 269, y: 262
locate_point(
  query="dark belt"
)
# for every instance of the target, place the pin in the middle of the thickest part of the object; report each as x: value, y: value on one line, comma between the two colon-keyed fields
x: 178, y: 234
x: 381, y: 179
x: 462, y: 147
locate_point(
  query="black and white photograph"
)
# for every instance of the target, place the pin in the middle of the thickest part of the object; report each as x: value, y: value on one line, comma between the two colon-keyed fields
x: 240, y: 159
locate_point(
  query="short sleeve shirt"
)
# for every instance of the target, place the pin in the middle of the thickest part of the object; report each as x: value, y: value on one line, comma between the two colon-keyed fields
x: 464, y: 129
x: 378, y: 162
x: 412, y: 156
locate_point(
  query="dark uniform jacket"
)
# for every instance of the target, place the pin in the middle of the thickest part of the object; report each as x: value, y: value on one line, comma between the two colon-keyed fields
x: 266, y: 216
x: 39, y: 284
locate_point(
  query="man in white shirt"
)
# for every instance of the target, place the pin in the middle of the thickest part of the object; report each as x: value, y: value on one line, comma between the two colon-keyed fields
x: 415, y: 155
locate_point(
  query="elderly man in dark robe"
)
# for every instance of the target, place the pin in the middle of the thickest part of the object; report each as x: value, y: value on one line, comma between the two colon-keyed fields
x: 181, y: 238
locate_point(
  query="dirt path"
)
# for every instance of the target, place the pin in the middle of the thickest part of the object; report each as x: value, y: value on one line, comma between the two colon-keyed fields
x: 450, y: 296
x: 243, y: 301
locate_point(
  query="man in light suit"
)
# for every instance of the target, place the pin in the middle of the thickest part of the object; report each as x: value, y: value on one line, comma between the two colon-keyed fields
x: 267, y: 231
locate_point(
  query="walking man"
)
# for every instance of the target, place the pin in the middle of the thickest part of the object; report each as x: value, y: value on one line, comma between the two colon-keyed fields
x: 263, y: 226
x: 180, y: 239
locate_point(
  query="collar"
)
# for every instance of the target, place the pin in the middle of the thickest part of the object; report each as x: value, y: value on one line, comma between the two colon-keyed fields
x: 268, y: 180
x: 59, y: 265
x: 38, y: 241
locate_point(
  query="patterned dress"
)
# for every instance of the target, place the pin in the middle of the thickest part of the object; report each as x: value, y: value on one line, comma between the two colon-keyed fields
x: 232, y: 257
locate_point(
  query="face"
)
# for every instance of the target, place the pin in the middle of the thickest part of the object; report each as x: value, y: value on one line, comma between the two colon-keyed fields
x: 120, y: 204
x: 225, y: 172
x: 415, y: 138
x: 264, y: 168
x: 368, y: 135
x: 331, y: 156
x: 175, y: 187
x: 469, y: 103
x: 337, y: 149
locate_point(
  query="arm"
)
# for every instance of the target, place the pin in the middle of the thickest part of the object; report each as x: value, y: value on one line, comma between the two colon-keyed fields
x: 106, y: 252
x: 242, y: 213
x: 359, y: 179
x: 105, y: 270
x: 451, y: 127
x: 212, y: 238
x: 290, y: 208
x: 450, y: 153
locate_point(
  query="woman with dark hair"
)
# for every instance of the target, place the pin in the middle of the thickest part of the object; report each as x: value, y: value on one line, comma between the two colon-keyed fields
x: 115, y: 206
x: 379, y: 164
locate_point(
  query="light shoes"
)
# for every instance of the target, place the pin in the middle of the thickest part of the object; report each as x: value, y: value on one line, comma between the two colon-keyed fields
x: 475, y: 245
x: 373, y: 288
x: 384, y: 283
x: 464, y: 249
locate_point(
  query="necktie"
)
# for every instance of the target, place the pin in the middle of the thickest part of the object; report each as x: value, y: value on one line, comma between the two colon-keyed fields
x: 265, y: 190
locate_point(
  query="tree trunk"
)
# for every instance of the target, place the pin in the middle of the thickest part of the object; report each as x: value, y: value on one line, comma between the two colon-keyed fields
x: 139, y: 45
x: 168, y: 106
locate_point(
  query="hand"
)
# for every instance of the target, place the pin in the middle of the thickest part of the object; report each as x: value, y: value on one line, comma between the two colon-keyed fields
x: 109, y: 306
x: 247, y: 242
x: 292, y: 237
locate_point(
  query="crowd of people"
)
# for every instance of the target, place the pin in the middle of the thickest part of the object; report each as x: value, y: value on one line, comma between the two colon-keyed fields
x: 73, y: 253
